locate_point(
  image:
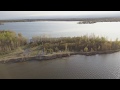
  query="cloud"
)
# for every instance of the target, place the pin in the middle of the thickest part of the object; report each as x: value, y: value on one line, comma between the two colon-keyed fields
x: 21, y: 14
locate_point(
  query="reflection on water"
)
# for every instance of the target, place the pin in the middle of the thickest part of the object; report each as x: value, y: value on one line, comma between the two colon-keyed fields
x: 75, y: 67
x: 58, y: 29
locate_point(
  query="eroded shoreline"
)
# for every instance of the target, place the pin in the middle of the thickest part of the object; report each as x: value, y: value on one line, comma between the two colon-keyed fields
x: 55, y: 56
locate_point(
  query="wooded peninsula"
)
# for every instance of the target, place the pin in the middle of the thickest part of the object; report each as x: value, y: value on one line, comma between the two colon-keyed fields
x: 16, y: 47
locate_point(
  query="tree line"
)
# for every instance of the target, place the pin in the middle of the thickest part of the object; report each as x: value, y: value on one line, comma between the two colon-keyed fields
x: 77, y: 44
x: 9, y: 41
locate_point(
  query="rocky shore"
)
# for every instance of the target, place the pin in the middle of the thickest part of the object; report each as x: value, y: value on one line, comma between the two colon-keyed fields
x: 37, y: 58
x: 55, y: 56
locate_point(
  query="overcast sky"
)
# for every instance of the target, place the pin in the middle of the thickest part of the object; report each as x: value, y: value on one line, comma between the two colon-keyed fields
x: 20, y: 14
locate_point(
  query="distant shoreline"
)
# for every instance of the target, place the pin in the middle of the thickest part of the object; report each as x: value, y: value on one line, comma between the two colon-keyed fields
x: 92, y: 20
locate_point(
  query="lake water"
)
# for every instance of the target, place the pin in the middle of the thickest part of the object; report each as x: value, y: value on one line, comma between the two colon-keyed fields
x: 75, y: 67
x: 62, y: 28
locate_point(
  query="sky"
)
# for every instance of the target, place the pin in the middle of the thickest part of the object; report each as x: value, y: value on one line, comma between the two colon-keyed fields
x: 25, y: 14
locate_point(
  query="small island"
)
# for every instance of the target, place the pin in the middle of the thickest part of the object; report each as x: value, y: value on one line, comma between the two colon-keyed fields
x: 16, y: 48
x: 86, y: 22
x: 95, y: 20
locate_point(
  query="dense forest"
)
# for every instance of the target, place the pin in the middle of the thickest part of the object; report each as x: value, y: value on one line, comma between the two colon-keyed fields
x: 9, y: 41
x: 75, y: 44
